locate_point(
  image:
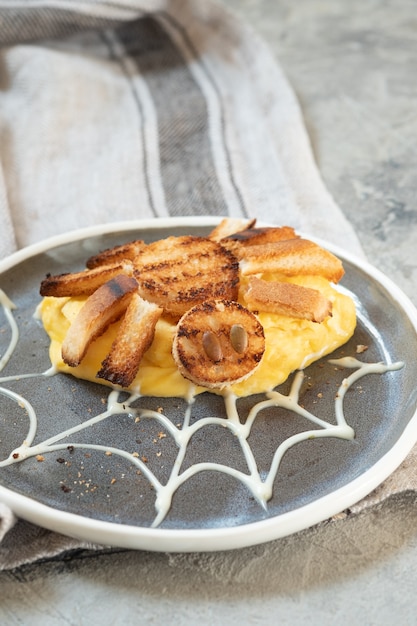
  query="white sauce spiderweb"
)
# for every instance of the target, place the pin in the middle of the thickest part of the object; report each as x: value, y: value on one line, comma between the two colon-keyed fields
x: 260, y: 487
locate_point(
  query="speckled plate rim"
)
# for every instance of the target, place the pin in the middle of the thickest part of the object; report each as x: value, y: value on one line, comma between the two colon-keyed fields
x: 163, y: 540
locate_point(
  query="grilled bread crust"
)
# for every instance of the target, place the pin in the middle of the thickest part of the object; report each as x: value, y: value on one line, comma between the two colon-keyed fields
x: 134, y: 337
x: 229, y: 226
x: 258, y: 236
x: 102, y: 308
x: 293, y: 257
x: 178, y: 272
x: 220, y: 361
x: 287, y: 299
x: 83, y: 283
x: 124, y: 252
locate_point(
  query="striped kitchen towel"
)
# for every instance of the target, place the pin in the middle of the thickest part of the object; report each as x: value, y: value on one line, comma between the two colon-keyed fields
x: 138, y: 109
x: 115, y: 111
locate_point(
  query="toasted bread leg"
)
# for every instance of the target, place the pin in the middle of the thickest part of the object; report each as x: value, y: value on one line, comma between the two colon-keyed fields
x: 258, y: 236
x: 287, y: 299
x: 117, y: 254
x: 229, y: 226
x: 102, y: 308
x: 134, y: 337
x: 83, y: 283
x: 294, y: 257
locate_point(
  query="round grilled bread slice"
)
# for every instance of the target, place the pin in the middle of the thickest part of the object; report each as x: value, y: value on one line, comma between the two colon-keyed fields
x: 177, y: 273
x: 218, y: 343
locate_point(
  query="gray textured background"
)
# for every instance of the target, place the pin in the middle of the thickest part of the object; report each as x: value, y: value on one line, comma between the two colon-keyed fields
x: 352, y: 65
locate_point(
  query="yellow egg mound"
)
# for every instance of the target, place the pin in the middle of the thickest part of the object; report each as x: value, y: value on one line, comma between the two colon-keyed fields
x: 291, y: 344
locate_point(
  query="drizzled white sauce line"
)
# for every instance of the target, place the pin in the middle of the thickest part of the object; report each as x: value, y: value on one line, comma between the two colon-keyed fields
x: 8, y: 308
x: 260, y: 489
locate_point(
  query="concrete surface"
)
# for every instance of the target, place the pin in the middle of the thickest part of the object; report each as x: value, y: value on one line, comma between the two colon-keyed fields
x: 352, y: 65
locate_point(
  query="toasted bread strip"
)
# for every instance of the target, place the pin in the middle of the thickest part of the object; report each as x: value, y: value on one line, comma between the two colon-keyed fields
x: 124, y: 252
x: 291, y: 258
x: 178, y: 272
x: 287, y: 299
x: 218, y: 343
x: 83, y: 283
x: 228, y: 226
x: 257, y: 236
x: 134, y: 337
x: 102, y: 308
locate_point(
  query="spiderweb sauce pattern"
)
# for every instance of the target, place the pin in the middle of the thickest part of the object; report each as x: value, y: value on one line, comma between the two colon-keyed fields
x: 259, y: 484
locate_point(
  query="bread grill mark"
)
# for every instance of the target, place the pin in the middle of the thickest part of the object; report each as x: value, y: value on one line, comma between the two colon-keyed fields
x: 202, y: 346
x: 104, y: 306
x: 140, y: 282
x: 126, y: 251
x: 178, y: 272
x: 134, y: 337
x: 83, y: 283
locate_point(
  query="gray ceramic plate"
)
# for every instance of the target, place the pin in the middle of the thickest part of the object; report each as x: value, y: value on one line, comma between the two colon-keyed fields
x: 105, y: 498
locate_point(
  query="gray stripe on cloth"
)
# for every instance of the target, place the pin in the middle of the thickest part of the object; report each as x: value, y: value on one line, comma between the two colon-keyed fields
x: 186, y: 160
x: 146, y: 123
x: 216, y: 107
x: 35, y: 23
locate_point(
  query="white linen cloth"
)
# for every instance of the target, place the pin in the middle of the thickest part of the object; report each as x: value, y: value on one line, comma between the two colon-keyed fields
x: 114, y: 111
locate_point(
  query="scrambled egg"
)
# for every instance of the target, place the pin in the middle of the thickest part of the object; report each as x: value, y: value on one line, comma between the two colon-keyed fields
x: 291, y: 344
